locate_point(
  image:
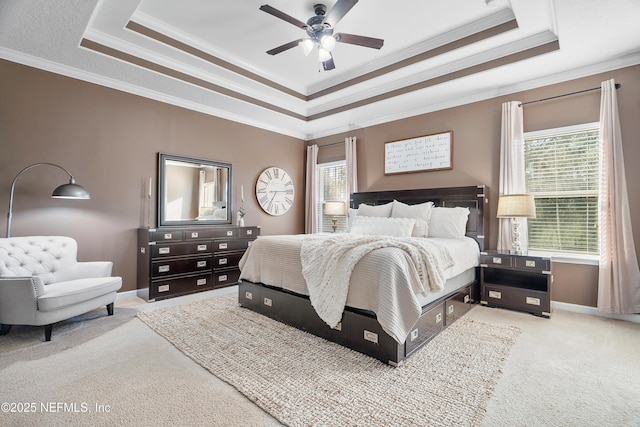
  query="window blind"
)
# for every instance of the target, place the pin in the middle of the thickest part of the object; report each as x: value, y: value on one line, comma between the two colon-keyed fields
x: 562, y: 172
x: 332, y: 181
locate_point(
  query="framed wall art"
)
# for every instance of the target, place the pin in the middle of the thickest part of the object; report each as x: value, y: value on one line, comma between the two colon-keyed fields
x: 424, y: 153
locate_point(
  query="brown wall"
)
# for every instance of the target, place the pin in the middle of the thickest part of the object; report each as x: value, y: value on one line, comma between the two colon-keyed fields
x: 110, y: 141
x: 476, y: 153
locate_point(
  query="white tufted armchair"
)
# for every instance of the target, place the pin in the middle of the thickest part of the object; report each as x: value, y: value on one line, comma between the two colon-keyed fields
x: 41, y: 282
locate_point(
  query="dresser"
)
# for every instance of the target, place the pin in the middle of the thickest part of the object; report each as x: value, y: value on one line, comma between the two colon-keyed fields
x: 519, y: 282
x: 178, y: 261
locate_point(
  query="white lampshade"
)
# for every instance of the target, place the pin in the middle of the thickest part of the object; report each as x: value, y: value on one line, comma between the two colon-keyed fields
x: 323, y: 55
x: 328, y: 43
x: 516, y: 206
x: 306, y: 45
x: 334, y: 208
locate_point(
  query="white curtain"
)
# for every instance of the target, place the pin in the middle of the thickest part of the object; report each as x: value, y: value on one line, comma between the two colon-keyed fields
x: 619, y: 276
x: 352, y: 167
x: 512, y: 170
x: 310, y: 211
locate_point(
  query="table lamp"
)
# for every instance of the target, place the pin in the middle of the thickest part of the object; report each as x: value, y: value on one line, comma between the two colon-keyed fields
x: 516, y: 206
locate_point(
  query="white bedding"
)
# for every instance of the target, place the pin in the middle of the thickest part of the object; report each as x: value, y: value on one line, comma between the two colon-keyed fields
x: 384, y: 281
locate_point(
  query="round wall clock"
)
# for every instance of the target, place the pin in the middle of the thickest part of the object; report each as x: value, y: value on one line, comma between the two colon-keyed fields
x: 275, y: 191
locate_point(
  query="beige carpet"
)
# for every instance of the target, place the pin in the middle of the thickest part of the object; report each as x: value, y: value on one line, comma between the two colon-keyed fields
x: 302, y: 380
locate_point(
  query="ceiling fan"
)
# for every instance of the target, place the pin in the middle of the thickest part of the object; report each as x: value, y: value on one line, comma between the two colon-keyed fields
x: 319, y: 30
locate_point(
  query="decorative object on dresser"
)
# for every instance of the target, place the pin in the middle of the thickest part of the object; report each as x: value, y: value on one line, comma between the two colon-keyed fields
x: 361, y: 328
x: 516, y: 206
x: 334, y: 209
x: 179, y: 261
x: 275, y: 191
x: 64, y: 191
x: 520, y: 282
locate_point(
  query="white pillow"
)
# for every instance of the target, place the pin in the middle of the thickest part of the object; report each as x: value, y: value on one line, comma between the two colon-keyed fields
x: 448, y: 222
x: 353, y: 213
x: 378, y: 210
x: 380, y: 226
x: 421, y: 213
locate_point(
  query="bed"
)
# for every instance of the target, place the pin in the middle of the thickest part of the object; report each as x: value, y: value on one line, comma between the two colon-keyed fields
x: 384, y: 315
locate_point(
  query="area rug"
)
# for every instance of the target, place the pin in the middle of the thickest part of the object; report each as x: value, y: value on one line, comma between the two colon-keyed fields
x: 303, y: 380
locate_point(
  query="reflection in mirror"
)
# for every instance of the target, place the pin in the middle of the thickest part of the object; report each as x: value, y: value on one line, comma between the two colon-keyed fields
x: 193, y: 191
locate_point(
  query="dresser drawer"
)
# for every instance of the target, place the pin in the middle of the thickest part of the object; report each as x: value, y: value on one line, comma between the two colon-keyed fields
x: 161, y: 250
x: 231, y: 245
x: 164, y: 235
x: 496, y: 260
x: 533, y: 263
x: 210, y: 233
x: 248, y: 232
x: 166, y: 288
x: 430, y: 323
x: 171, y: 267
x: 529, y: 300
x: 457, y: 305
x: 227, y: 260
x: 226, y: 277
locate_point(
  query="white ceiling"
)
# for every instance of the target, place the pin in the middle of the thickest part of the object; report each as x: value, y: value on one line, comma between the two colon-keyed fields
x: 210, y: 55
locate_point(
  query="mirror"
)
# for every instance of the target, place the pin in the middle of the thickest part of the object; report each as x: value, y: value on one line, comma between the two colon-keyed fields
x: 193, y: 191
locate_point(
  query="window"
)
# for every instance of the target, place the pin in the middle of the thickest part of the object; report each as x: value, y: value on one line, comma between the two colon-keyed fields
x: 332, y: 185
x: 562, y: 172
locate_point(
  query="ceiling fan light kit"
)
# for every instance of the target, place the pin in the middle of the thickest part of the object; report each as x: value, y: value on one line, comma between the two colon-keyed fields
x: 319, y: 29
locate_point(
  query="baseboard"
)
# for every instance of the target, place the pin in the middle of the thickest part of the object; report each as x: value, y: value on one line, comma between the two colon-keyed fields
x: 126, y: 295
x: 584, y: 309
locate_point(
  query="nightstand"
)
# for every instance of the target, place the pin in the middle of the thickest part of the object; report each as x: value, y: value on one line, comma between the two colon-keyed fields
x: 519, y: 282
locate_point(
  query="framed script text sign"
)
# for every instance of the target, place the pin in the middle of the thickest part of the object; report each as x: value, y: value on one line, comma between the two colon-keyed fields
x: 424, y: 153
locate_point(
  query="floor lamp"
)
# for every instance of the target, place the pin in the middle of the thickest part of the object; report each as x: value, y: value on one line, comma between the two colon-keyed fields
x: 516, y: 206
x: 65, y: 191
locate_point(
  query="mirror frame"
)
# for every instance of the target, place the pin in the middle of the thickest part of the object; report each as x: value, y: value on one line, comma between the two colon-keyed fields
x: 162, y: 187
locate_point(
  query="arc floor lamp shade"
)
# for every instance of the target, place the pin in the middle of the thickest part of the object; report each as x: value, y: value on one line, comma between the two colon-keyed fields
x: 71, y: 190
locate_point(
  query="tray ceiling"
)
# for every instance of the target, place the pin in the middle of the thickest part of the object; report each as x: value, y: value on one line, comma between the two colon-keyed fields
x: 210, y: 55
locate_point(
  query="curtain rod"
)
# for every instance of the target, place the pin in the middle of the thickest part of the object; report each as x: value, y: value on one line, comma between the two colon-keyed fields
x: 618, y: 86
x: 329, y: 145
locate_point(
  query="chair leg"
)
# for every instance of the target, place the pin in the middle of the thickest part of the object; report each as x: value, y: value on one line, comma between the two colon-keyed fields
x: 110, y: 309
x: 4, y: 329
x: 47, y: 332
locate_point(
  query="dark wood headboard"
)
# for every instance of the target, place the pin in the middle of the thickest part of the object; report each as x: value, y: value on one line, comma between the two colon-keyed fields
x: 475, y: 197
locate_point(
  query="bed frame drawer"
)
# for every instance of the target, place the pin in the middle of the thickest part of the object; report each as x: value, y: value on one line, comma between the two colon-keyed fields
x: 457, y: 305
x: 430, y: 323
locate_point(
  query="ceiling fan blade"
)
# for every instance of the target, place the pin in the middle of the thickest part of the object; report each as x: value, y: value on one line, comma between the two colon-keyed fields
x: 338, y: 11
x: 278, y: 14
x: 284, y: 47
x: 328, y: 64
x: 359, y: 40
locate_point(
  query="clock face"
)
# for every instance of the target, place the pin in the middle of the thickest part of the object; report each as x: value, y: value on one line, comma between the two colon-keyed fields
x: 274, y: 191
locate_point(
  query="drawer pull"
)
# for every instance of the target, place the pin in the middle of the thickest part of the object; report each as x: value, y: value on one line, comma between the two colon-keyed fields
x: 249, y: 232
x: 164, y: 251
x: 248, y: 295
x: 497, y: 260
x: 201, y: 264
x: 201, y: 282
x: 438, y: 317
x: 414, y: 334
x: 371, y: 336
x: 222, y: 246
x: 450, y: 309
x: 168, y: 236
x: 533, y: 301
x: 222, y: 278
x: 530, y: 263
x: 268, y: 302
x: 163, y: 288
x: 495, y: 294
x: 466, y: 299
x: 202, y: 247
x: 194, y: 235
x: 229, y: 233
x: 222, y: 261
x: 163, y: 268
